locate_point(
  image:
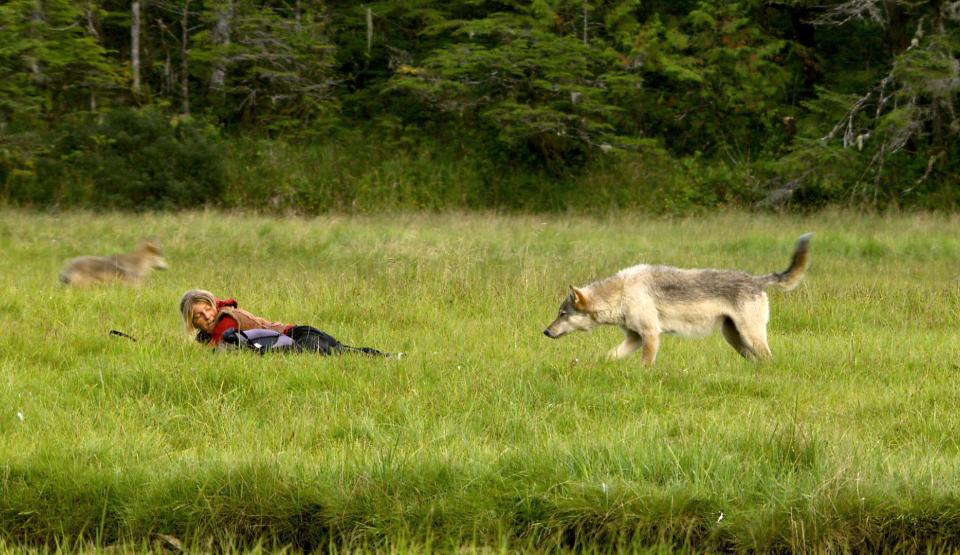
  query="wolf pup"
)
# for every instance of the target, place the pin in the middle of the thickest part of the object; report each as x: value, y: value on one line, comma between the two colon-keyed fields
x: 646, y: 301
x: 131, y: 267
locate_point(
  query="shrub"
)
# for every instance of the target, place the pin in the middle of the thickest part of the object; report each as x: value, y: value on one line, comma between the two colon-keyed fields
x: 127, y: 159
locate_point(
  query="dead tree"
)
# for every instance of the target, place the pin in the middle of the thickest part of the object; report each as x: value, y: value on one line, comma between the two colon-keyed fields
x: 221, y: 38
x: 185, y: 58
x: 135, y: 47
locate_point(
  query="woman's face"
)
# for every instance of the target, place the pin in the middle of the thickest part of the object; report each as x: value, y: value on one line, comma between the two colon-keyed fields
x: 203, y: 316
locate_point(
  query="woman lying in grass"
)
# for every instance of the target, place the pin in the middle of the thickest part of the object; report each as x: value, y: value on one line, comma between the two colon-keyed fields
x: 220, y: 322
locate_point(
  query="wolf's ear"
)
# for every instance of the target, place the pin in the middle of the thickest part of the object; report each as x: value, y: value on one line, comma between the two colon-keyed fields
x: 151, y: 244
x: 580, y: 299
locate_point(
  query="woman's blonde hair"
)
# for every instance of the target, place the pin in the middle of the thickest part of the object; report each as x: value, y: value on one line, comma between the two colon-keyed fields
x: 189, y: 299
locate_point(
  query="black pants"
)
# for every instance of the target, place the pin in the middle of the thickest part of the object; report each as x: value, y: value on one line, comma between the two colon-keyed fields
x: 308, y: 338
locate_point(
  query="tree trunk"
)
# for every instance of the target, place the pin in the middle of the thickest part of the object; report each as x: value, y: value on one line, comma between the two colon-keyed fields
x: 221, y: 37
x: 585, y: 20
x: 805, y: 33
x: 369, y: 30
x: 898, y: 32
x: 168, y: 75
x: 91, y: 22
x: 941, y: 109
x: 135, y: 47
x: 36, y: 20
x: 92, y: 29
x: 184, y: 59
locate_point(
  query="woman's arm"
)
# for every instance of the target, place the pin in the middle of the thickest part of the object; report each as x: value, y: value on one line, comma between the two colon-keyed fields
x: 224, y: 323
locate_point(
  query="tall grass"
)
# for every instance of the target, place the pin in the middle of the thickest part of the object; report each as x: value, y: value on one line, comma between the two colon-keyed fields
x: 358, y: 174
x: 488, y: 435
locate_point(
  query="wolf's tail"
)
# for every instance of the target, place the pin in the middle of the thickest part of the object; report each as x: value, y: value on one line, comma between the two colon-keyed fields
x: 790, y: 278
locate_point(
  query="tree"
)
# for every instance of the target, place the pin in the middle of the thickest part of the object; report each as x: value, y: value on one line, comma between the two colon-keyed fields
x: 135, y: 46
x: 220, y: 38
x: 527, y: 82
x: 276, y: 68
x: 50, y: 62
x: 714, y: 80
x: 884, y: 143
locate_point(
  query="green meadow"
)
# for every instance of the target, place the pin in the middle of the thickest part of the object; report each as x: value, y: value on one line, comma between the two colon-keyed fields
x: 488, y: 436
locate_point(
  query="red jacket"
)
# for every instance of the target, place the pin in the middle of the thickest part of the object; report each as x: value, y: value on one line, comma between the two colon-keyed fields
x: 229, y: 316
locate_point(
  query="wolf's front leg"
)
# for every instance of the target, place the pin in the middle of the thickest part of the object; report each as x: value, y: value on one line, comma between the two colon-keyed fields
x: 631, y: 343
x: 651, y: 344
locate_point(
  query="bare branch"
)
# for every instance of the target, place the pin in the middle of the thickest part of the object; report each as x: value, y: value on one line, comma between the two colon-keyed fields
x: 951, y: 11
x: 852, y: 10
x: 846, y: 123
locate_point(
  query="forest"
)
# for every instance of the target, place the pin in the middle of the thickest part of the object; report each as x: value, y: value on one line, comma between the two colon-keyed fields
x: 315, y: 106
x: 431, y: 178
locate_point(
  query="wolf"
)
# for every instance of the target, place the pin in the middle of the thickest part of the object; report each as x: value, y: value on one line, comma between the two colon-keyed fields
x: 131, y: 267
x: 647, y: 301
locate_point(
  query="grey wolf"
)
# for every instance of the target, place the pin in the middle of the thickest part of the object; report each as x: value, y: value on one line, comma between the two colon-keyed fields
x: 646, y: 301
x: 130, y: 267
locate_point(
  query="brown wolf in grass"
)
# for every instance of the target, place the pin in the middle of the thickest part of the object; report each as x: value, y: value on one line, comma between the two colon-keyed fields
x: 130, y: 267
x: 646, y: 301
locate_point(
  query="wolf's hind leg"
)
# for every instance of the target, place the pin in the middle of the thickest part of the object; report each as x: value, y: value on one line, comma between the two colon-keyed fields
x: 732, y: 335
x: 631, y: 343
x: 757, y: 340
x: 752, y: 325
x: 753, y: 337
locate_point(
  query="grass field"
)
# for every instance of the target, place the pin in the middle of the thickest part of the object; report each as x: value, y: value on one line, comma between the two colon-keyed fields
x: 488, y: 436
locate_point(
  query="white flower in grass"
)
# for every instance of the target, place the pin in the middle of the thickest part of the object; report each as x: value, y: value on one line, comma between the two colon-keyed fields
x: 20, y: 415
x: 721, y: 516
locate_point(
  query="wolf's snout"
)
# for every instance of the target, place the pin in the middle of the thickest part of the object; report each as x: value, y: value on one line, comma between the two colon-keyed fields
x: 547, y: 333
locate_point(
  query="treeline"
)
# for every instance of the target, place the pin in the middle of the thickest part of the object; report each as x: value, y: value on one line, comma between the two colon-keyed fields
x: 544, y: 104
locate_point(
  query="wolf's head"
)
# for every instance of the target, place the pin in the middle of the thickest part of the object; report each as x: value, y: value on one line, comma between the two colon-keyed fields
x: 153, y: 256
x: 574, y: 315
